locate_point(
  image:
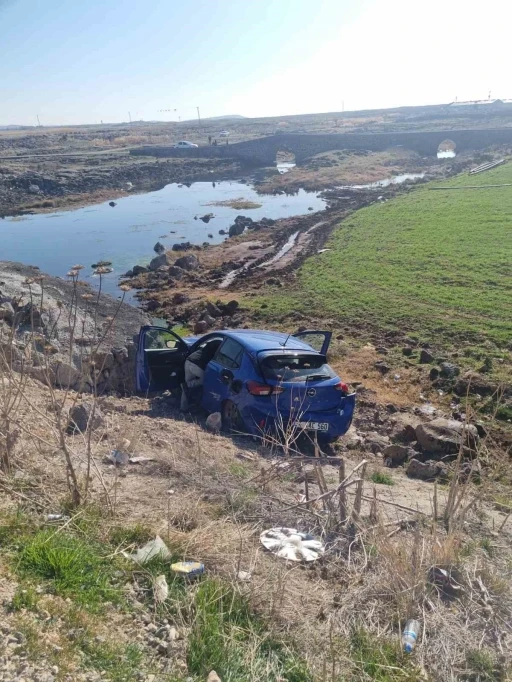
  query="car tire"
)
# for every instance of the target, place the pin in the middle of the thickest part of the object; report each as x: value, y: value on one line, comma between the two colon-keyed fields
x: 231, y: 418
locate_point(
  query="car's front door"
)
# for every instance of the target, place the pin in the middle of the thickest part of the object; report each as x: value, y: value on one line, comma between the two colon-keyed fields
x: 160, y: 359
x: 220, y: 375
x: 319, y: 341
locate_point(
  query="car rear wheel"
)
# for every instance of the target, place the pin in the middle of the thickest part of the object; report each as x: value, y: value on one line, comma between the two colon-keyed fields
x: 231, y: 418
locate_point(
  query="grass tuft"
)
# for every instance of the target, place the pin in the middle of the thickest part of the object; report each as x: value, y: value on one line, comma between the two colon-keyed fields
x: 381, y: 659
x: 382, y: 478
x: 73, y: 567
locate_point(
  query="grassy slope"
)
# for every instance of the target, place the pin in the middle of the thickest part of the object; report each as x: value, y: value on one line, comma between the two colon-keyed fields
x: 434, y: 262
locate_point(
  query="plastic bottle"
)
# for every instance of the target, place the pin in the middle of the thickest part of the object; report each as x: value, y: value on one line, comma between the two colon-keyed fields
x: 410, y: 635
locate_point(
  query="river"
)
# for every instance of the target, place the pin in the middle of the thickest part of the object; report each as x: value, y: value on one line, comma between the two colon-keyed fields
x: 126, y: 233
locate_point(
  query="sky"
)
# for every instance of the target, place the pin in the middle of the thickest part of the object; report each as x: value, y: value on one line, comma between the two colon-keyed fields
x: 72, y: 62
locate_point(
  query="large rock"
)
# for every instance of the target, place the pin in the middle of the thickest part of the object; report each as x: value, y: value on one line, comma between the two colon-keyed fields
x: 183, y: 246
x: 426, y: 471
x: 176, y: 272
x: 159, y: 261
x: 445, y: 436
x: 6, y: 312
x: 397, y: 454
x: 67, y: 376
x: 238, y: 227
x: 231, y: 307
x: 473, y: 382
x: 139, y: 270
x: 449, y: 370
x: 188, y: 263
x: 376, y: 442
x: 200, y: 327
x: 213, y: 310
x: 426, y: 356
x: 159, y: 248
x: 85, y: 416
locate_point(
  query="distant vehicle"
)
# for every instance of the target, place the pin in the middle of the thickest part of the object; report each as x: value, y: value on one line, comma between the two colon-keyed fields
x: 185, y: 145
x: 224, y: 133
x: 261, y: 382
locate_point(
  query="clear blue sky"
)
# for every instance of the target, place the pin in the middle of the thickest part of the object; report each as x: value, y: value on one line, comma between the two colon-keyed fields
x: 81, y: 62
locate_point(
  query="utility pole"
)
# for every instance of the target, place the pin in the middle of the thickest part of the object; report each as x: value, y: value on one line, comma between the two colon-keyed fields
x: 130, y: 117
x: 198, y: 117
x: 38, y: 121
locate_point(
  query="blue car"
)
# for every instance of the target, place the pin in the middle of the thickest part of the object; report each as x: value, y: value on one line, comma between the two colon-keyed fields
x: 259, y: 381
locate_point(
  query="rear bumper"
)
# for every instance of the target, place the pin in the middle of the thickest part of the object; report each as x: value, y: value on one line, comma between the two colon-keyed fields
x: 266, y: 418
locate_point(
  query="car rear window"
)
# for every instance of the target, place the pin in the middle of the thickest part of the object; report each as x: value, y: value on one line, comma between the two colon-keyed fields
x: 296, y: 368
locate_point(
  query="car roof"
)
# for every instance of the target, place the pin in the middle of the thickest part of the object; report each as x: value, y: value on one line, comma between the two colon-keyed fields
x: 258, y: 340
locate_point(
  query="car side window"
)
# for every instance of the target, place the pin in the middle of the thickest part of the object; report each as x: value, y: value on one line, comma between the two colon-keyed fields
x: 159, y: 339
x: 230, y: 354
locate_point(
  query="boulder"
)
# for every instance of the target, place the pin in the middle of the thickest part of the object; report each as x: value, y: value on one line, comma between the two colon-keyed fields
x: 376, y: 442
x: 449, y: 370
x: 34, y: 189
x: 179, y: 298
x: 405, y: 425
x: 238, y: 227
x: 213, y: 310
x: 445, y: 436
x: 214, y: 422
x: 425, y: 471
x: 426, y: 356
x: 397, y: 454
x: 207, y: 217
x: 200, y: 327
x: 382, y: 366
x: 159, y: 248
x: 183, y: 246
x: 231, y: 307
x: 159, y: 261
x: 67, y: 376
x: 188, y: 263
x: 407, y: 351
x: 210, y: 321
x: 473, y: 382
x: 112, y: 203
x: 433, y: 374
x: 222, y: 232
x: 85, y: 416
x: 176, y: 272
x: 6, y: 312
x: 139, y: 270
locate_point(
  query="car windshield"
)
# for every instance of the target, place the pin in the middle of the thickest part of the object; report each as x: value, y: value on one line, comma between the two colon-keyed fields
x: 296, y: 368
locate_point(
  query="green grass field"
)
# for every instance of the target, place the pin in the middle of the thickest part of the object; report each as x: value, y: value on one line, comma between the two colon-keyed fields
x: 432, y: 263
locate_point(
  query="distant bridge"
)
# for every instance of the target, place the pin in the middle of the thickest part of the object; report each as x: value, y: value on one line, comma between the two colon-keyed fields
x: 262, y: 151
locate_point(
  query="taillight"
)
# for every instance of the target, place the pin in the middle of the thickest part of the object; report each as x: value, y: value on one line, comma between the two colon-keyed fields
x: 341, y: 387
x: 255, y: 388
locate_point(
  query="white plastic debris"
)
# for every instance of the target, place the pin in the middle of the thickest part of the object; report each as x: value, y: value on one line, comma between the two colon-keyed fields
x: 151, y: 549
x: 140, y: 459
x: 57, y: 517
x: 160, y: 588
x: 244, y: 576
x: 289, y: 543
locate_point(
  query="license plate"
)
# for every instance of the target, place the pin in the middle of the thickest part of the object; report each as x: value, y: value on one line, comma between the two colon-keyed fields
x: 314, y: 426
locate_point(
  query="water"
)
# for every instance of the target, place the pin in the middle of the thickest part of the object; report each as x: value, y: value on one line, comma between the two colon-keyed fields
x: 126, y: 234
x: 447, y: 154
x: 396, y: 180
x: 284, y: 166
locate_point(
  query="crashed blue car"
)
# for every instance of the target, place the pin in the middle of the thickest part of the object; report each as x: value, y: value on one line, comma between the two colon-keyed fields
x: 259, y: 381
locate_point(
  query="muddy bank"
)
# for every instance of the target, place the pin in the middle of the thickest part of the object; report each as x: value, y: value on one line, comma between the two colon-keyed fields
x: 69, y: 182
x: 178, y: 284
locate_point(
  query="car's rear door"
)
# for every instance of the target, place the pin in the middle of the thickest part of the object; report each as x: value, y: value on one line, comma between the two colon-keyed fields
x: 160, y: 359
x: 221, y: 375
x: 318, y: 340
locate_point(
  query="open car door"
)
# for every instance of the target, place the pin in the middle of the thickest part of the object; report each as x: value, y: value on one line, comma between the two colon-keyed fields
x: 319, y: 341
x: 161, y: 355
